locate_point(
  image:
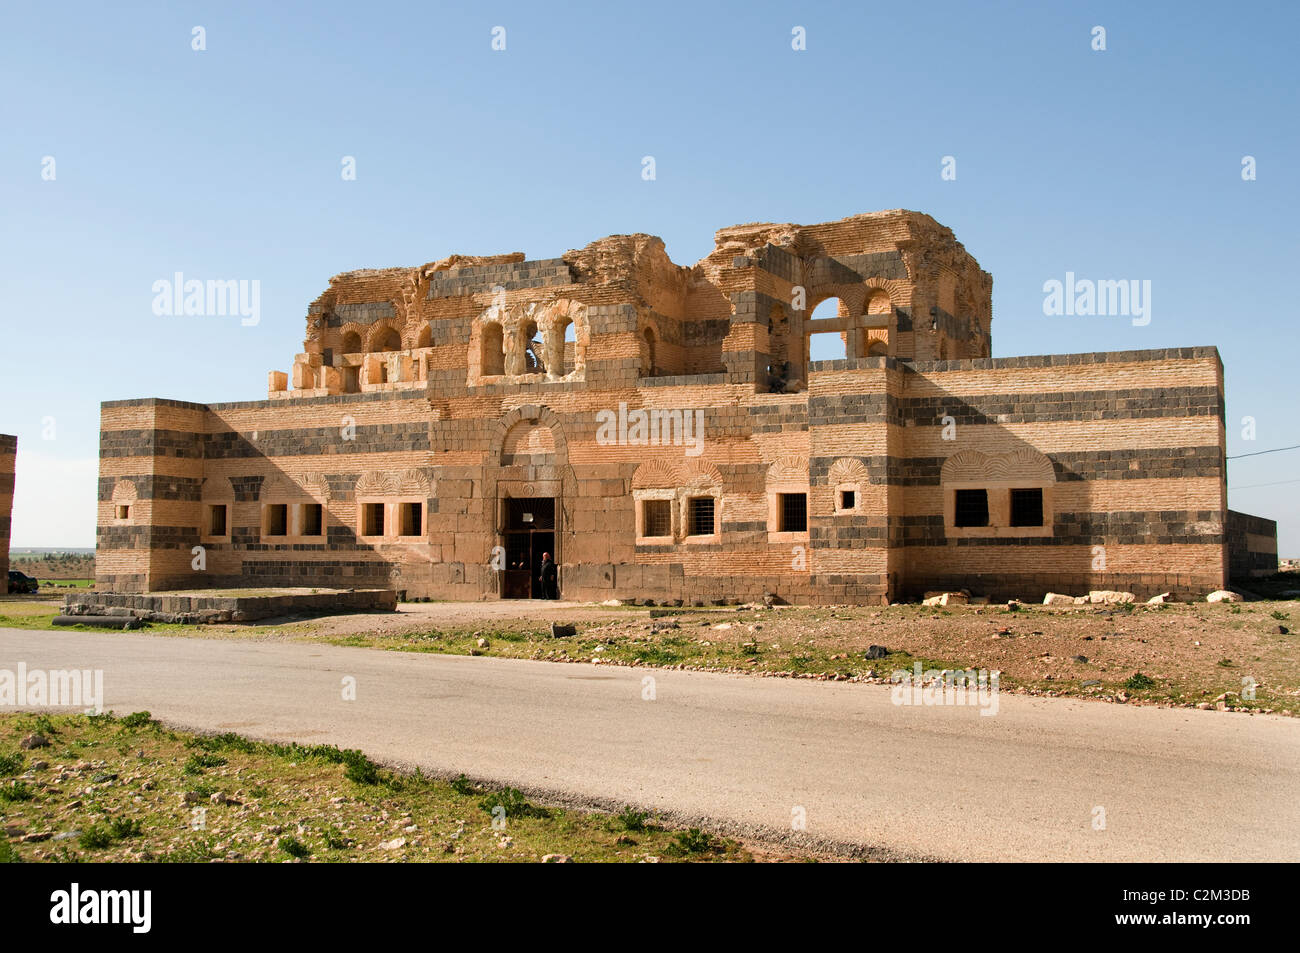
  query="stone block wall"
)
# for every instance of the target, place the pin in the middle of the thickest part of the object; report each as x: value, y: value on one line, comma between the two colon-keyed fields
x: 1252, y: 546
x: 1132, y: 445
x: 438, y: 394
x: 8, y: 453
x: 1127, y: 449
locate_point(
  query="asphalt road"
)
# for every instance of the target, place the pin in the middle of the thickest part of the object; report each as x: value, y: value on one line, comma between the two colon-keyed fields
x: 745, y: 754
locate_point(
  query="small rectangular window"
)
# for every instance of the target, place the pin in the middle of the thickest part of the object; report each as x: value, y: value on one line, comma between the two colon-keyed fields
x: 372, y: 519
x: 656, y: 518
x: 972, y: 508
x: 1027, y: 507
x: 848, y: 499
x: 123, y: 512
x: 217, y: 519
x: 275, y: 522
x: 700, y: 516
x: 410, y: 519
x: 312, y: 519
x: 793, y: 512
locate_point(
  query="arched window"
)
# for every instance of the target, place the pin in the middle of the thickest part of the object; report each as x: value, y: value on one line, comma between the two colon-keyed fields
x: 388, y: 340
x: 648, y: 366
x: 425, y: 338
x: 878, y: 302
x: 534, y: 362
x: 829, y: 308
x: 492, y: 349
x: 351, y: 343
x: 566, y: 331
x: 828, y: 345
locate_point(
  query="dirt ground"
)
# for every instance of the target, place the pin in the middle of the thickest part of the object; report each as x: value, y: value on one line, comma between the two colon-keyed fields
x: 1207, y: 655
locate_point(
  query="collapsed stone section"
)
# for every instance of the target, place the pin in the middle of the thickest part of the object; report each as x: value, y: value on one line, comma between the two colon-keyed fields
x: 905, y: 288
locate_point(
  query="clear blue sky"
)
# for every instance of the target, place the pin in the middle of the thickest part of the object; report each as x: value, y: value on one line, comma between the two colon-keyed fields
x: 226, y: 164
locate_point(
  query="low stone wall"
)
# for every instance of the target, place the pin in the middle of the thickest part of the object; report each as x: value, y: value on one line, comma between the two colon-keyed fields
x: 195, y: 609
x: 1252, y: 545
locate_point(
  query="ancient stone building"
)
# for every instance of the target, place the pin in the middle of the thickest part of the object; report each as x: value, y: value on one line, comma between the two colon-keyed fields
x: 8, y: 451
x: 661, y: 431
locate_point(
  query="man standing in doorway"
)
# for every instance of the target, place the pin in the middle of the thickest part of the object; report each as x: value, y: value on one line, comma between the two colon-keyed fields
x: 548, y: 578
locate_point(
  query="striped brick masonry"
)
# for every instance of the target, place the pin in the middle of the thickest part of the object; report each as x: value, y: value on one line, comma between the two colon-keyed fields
x: 445, y: 424
x: 8, y: 452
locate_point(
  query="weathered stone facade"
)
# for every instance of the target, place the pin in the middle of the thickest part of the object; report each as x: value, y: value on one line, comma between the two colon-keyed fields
x: 1252, y: 546
x: 445, y: 424
x: 8, y: 451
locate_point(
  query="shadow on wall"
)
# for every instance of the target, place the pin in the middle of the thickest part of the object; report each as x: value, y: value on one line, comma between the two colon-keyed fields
x: 986, y: 510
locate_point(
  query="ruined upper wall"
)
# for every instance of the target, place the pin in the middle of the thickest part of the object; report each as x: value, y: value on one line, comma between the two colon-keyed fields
x: 899, y: 274
x: 620, y: 308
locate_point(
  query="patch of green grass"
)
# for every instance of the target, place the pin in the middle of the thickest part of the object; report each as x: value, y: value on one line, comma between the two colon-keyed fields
x: 691, y: 841
x: 137, y: 719
x: 107, y: 833
x: 95, y: 838
x: 512, y: 803
x: 16, y: 791
x: 122, y: 828
x: 41, y: 617
x: 195, y: 852
x: 138, y: 816
x: 40, y: 724
x: 359, y: 768
x: 1138, y: 682
x: 336, y: 840
x: 655, y: 655
x: 630, y: 819
x: 293, y: 847
x: 196, y: 763
x: 10, y: 764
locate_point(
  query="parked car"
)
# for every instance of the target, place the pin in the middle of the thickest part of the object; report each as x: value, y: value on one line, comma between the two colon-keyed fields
x: 21, y: 582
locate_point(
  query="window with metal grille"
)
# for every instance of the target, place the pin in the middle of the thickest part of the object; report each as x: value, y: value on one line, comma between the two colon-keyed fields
x: 1027, y: 507
x: 410, y: 518
x: 276, y: 519
x: 530, y: 513
x: 372, y: 519
x: 972, y: 508
x: 700, y: 515
x: 793, y: 513
x: 217, y: 519
x: 657, y: 517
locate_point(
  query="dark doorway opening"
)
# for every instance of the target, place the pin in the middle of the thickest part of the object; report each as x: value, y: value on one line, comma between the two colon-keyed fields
x: 529, y: 532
